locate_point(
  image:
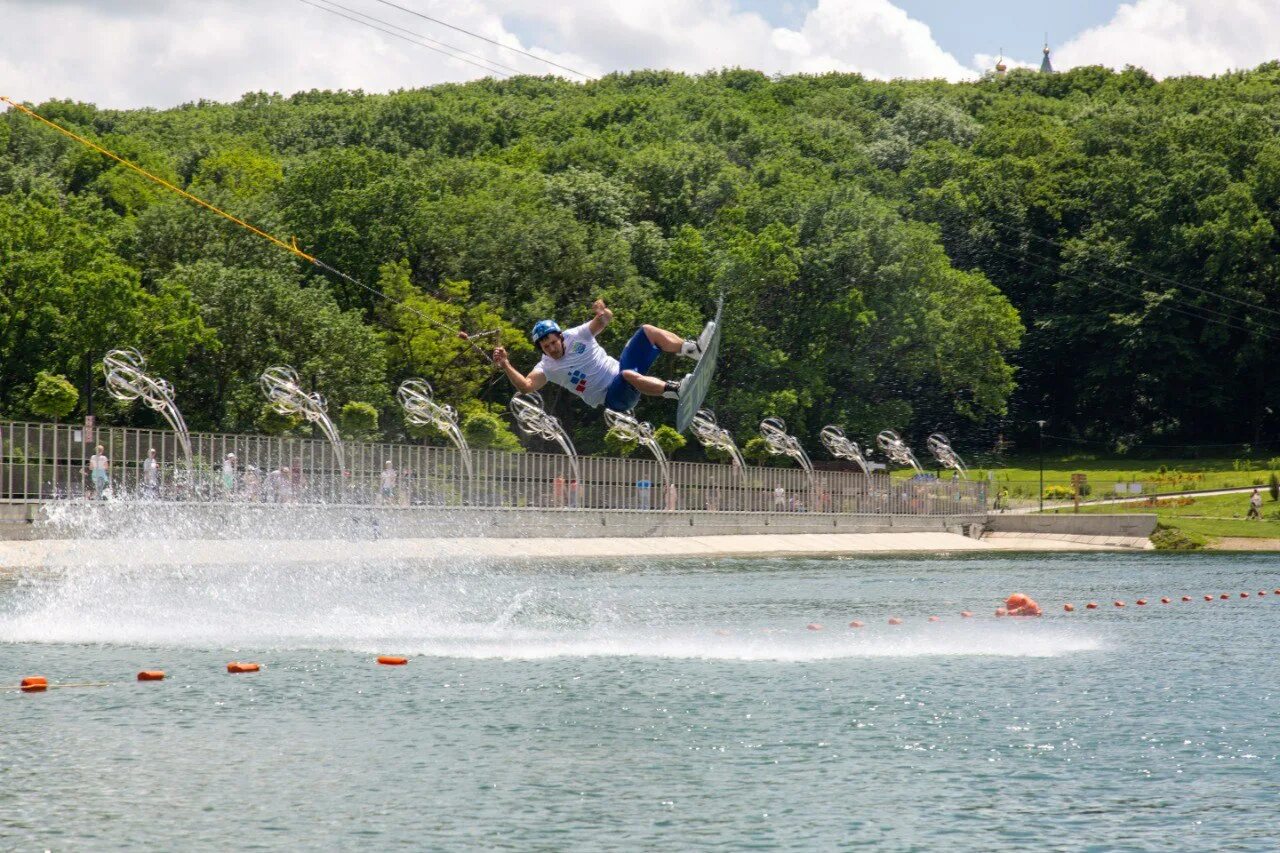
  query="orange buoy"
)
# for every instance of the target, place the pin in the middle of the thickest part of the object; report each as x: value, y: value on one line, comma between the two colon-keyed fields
x: 1141, y: 602
x: 34, y: 684
x: 151, y: 675
x: 1070, y: 608
x: 965, y: 614
x: 1244, y: 595
x: 1208, y: 598
x: 1224, y: 596
x: 1015, y: 601
x: 1092, y: 605
x: 1262, y: 592
x: 1277, y: 592
x: 1000, y: 611
x: 894, y: 620
x: 391, y: 660
x: 814, y: 626
x: 1119, y: 603
x: 1164, y: 601
x: 935, y: 618
x: 1186, y: 598
x: 237, y: 666
x: 855, y: 624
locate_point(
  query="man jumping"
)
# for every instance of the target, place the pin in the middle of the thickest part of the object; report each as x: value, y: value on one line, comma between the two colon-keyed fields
x: 574, y: 360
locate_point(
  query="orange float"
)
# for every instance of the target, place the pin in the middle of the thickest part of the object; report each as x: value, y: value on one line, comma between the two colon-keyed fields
x: 1244, y: 595
x: 1208, y: 598
x: 1092, y: 605
x: 1186, y: 598
x: 151, y: 675
x: 34, y: 684
x: 814, y: 626
x: 1224, y: 596
x: 855, y: 624
x: 1021, y: 604
x: 1141, y: 602
x: 1164, y: 601
x: 1070, y: 608
x: 1000, y: 611
x: 894, y: 620
x: 237, y: 666
x: 965, y: 614
x: 1119, y: 603
x: 392, y: 660
x: 935, y: 619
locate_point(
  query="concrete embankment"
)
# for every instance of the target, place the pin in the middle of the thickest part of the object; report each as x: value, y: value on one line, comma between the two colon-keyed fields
x: 1122, y: 530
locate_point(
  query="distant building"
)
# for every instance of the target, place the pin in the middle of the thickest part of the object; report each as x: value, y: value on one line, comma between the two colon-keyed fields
x: 1046, y: 67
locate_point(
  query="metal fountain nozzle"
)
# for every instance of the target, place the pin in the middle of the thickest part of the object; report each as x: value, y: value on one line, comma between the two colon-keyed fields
x: 947, y: 457
x: 896, y: 449
x: 533, y: 419
x: 711, y: 434
x: 841, y: 447
x: 128, y: 380
x: 420, y: 408
x: 283, y: 390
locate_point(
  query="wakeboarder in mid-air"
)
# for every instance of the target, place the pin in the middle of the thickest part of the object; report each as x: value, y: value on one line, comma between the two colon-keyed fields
x: 573, y: 359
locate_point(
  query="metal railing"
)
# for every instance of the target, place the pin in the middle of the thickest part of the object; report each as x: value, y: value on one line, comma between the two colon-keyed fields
x: 48, y: 462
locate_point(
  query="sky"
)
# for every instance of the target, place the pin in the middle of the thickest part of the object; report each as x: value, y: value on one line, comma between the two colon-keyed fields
x: 160, y: 53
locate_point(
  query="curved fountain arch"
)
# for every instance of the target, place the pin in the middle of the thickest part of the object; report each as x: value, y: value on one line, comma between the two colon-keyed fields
x: 128, y: 380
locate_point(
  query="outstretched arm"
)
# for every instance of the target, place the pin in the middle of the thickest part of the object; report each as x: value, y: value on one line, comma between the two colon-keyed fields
x: 602, y: 318
x: 524, y: 384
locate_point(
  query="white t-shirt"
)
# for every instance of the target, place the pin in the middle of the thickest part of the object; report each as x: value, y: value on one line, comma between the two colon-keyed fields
x: 585, y: 369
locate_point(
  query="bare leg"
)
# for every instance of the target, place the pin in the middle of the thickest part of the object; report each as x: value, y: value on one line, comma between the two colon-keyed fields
x: 650, y: 386
x: 663, y: 340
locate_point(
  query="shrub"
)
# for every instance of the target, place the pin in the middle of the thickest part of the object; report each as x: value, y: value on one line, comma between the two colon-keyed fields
x: 53, y: 398
x: 485, y: 429
x: 617, y: 445
x: 1274, y: 487
x: 668, y: 439
x: 359, y: 421
x: 1172, y: 539
x: 1058, y: 493
x: 272, y: 422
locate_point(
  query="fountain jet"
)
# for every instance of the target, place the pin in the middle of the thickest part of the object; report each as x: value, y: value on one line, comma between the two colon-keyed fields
x: 641, y: 432
x: 284, y: 392
x: 774, y: 433
x: 897, y: 451
x: 841, y: 447
x: 532, y: 418
x: 711, y: 434
x: 941, y: 449
x: 128, y: 380
x: 421, y: 409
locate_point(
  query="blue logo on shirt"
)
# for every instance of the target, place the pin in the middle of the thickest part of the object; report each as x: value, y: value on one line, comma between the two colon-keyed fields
x: 578, y: 348
x: 579, y: 380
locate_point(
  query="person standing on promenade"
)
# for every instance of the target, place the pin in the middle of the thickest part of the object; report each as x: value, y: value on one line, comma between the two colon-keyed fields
x: 99, y: 467
x: 1255, y: 506
x: 151, y: 476
x: 387, y: 490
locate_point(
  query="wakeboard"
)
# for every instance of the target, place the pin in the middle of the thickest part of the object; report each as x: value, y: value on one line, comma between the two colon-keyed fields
x: 698, y: 383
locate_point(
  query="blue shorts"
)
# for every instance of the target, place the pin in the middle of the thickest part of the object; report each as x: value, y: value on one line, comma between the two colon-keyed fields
x: 638, y: 355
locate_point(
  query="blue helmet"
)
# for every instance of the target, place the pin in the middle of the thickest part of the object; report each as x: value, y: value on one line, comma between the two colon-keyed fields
x: 544, y: 328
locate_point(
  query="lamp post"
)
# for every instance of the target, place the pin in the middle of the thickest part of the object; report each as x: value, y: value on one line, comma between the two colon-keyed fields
x: 1041, y: 444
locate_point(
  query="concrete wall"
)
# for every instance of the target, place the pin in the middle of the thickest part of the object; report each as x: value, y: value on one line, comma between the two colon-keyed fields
x: 1130, y: 525
x: 76, y: 520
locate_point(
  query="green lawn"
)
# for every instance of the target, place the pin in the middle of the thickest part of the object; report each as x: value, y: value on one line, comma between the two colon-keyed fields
x: 1215, y: 516
x: 1021, y: 475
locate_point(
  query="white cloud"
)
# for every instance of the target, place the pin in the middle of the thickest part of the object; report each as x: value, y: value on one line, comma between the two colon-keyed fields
x: 1175, y: 37
x: 129, y: 53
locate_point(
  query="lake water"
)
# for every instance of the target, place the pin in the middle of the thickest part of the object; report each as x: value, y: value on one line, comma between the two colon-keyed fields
x: 672, y: 705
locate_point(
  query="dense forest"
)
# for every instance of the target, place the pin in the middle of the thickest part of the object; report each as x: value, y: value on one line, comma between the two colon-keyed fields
x: 1092, y: 248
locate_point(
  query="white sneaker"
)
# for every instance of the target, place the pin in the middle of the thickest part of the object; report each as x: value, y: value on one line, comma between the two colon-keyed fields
x: 694, y: 349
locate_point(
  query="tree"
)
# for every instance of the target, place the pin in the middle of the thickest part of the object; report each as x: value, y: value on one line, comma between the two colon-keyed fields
x: 668, y: 439
x: 358, y: 421
x: 54, y: 397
